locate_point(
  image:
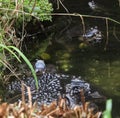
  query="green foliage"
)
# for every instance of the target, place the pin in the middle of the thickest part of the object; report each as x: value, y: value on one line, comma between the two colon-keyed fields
x: 14, y: 15
x: 107, y: 112
x: 42, y: 9
x: 7, y: 48
x: 37, y: 8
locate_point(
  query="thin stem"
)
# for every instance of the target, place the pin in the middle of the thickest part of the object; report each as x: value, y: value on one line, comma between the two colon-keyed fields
x: 64, y: 14
x: 83, y: 23
x: 107, y: 35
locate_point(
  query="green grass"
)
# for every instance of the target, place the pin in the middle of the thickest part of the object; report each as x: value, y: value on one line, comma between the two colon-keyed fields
x: 11, y: 50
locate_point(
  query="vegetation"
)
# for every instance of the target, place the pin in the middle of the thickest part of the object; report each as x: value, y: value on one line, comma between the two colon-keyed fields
x: 107, y: 112
x: 17, y: 14
x: 9, y: 48
x: 56, y: 109
x: 18, y: 9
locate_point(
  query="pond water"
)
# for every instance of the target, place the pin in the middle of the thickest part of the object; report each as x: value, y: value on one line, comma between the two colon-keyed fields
x: 99, y: 67
x: 98, y: 64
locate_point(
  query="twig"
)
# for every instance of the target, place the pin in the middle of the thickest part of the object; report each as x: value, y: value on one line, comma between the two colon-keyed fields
x: 107, y: 35
x: 23, y: 90
x: 63, y: 14
x: 29, y: 97
x: 63, y: 6
x: 83, y: 23
x: 114, y: 34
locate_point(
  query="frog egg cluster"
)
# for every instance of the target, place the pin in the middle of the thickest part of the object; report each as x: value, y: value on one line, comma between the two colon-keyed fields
x: 48, y: 87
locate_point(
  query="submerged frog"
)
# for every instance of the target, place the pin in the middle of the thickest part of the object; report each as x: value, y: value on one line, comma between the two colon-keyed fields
x: 93, y: 5
x: 74, y: 89
x: 98, y: 8
x: 92, y: 36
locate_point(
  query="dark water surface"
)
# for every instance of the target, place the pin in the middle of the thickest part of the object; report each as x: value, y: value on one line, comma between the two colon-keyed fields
x: 98, y: 66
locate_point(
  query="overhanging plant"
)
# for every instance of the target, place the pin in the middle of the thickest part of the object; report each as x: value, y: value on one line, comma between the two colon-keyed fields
x: 12, y: 50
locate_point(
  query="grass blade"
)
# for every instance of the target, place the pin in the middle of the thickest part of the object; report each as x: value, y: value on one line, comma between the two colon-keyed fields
x: 27, y: 62
x: 7, y: 48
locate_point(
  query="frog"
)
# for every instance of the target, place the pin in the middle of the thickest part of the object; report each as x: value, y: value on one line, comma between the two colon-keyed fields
x: 92, y: 36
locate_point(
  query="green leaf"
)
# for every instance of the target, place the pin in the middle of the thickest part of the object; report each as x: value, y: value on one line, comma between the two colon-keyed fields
x: 5, y: 47
x: 107, y: 112
x: 27, y: 62
x: 109, y: 105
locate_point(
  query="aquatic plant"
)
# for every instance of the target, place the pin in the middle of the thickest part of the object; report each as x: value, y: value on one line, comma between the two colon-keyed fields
x: 107, y: 112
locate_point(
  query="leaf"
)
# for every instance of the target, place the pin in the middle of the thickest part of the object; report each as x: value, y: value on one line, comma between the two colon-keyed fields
x: 27, y: 62
x: 4, y: 46
x: 107, y: 112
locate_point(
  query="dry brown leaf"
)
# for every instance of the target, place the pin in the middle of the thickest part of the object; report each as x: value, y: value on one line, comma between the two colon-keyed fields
x: 3, y: 109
